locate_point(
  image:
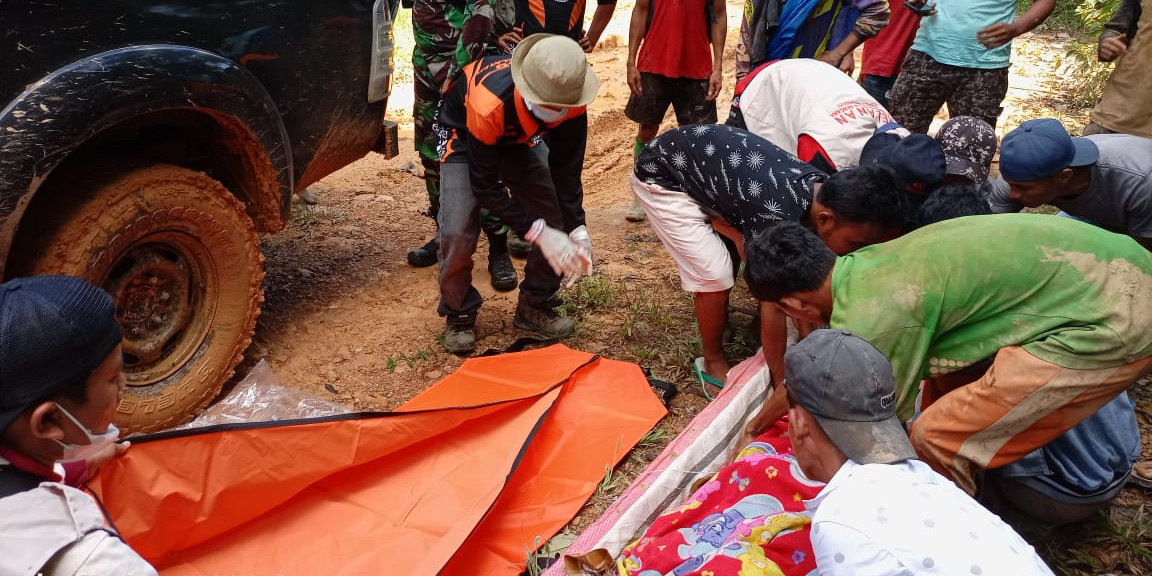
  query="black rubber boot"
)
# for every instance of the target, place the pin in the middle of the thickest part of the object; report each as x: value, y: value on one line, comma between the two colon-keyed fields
x: 500, y: 264
x: 460, y: 334
x: 425, y: 255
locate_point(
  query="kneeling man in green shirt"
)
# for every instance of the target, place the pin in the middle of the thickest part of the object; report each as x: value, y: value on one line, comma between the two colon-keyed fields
x: 1019, y: 325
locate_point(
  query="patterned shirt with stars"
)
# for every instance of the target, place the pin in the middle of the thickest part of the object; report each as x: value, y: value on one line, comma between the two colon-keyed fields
x: 747, y: 180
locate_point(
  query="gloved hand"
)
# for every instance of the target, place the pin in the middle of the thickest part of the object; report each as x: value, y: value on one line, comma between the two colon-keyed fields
x: 580, y: 237
x: 566, y: 258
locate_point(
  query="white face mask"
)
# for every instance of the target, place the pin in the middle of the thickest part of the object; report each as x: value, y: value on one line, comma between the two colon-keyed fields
x: 545, y: 115
x: 96, y: 442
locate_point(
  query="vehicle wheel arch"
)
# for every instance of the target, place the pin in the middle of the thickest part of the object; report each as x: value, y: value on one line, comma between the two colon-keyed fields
x: 225, y: 110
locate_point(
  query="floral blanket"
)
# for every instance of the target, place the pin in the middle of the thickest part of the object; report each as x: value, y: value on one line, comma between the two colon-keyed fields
x: 747, y: 520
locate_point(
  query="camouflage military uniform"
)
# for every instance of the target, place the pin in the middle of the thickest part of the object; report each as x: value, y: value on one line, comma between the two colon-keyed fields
x: 449, y: 34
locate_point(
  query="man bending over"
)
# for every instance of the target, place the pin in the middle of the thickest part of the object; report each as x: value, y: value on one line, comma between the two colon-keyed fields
x: 698, y: 182
x: 1023, y: 325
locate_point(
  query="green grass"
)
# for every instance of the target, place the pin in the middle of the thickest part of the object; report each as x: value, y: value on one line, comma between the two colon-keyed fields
x: 1085, y: 75
x: 611, y: 481
x: 412, y: 360
x: 532, y: 557
x: 1115, y: 541
x: 590, y: 294
x: 653, y: 438
x: 402, y: 55
x: 649, y: 322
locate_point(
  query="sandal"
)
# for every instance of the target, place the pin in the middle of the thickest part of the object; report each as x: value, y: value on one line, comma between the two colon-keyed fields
x: 704, y: 378
x: 1141, y: 474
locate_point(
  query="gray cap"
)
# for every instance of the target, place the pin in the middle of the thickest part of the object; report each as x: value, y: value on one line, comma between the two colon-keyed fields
x: 969, y: 146
x: 847, y: 385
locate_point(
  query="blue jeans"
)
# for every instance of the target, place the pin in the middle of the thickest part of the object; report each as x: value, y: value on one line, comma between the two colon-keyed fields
x: 1079, y: 472
x: 878, y: 87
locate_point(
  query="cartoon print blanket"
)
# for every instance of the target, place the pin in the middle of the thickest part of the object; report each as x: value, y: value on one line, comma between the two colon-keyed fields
x: 747, y: 520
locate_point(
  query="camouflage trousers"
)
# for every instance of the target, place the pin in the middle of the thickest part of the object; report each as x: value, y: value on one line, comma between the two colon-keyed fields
x: 925, y: 84
x: 431, y: 61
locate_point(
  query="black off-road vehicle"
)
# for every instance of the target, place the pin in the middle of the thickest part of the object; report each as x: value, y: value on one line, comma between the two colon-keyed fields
x: 144, y: 144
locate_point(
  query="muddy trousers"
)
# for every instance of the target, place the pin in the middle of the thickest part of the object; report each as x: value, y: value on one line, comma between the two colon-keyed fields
x: 524, y: 171
x: 1020, y: 404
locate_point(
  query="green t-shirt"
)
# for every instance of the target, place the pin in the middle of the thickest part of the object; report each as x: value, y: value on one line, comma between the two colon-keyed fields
x: 952, y: 294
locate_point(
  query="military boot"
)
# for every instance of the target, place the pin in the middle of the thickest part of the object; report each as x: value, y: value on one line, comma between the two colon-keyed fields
x: 500, y: 264
x: 425, y: 255
x: 460, y: 333
x: 542, y: 320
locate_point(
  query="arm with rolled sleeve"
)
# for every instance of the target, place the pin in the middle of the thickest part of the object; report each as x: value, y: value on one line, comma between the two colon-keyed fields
x: 874, y: 16
x: 1122, y: 26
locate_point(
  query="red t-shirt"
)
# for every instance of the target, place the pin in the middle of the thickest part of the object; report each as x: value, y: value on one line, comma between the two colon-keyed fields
x: 676, y: 44
x: 884, y: 54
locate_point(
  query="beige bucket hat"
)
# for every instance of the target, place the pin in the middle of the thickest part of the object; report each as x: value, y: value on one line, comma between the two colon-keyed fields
x: 552, y: 70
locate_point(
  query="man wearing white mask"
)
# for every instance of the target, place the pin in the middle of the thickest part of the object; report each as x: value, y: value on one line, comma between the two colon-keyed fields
x: 60, y: 382
x: 491, y: 123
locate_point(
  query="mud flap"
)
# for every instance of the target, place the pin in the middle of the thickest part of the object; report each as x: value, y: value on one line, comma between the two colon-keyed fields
x: 388, y: 143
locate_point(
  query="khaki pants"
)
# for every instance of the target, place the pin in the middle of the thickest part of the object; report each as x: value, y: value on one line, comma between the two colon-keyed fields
x: 1020, y: 404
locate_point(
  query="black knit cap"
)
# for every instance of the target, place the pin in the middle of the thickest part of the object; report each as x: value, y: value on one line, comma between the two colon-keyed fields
x: 54, y: 331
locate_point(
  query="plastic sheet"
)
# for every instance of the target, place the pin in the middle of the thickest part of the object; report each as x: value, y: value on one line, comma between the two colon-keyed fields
x: 260, y: 398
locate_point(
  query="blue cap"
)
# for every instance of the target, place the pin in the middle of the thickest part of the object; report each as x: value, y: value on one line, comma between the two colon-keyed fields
x: 54, y: 331
x: 1042, y: 147
x: 917, y: 160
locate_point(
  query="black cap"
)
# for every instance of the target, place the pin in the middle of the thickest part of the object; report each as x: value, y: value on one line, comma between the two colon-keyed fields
x: 54, y: 331
x: 847, y: 385
x: 917, y: 160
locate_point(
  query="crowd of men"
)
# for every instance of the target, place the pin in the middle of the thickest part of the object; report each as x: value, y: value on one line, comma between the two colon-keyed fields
x: 953, y: 359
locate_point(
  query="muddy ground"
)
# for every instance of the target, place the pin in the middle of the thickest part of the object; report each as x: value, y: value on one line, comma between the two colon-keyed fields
x: 347, y: 319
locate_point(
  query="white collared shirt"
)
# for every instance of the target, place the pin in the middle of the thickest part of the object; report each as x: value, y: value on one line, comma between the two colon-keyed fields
x: 905, y: 519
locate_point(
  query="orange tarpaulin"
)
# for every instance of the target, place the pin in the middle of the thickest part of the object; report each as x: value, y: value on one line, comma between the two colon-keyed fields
x: 463, y: 479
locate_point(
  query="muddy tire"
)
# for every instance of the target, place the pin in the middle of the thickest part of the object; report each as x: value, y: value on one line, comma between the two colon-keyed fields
x: 182, y: 260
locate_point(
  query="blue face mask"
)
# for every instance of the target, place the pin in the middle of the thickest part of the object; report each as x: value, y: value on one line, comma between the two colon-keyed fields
x: 96, y: 442
x: 546, y: 115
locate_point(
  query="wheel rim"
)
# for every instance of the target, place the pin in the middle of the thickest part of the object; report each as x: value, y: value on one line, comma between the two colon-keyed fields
x: 165, y: 300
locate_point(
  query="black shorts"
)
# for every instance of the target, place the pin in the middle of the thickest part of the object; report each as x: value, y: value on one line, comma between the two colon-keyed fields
x: 687, y: 96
